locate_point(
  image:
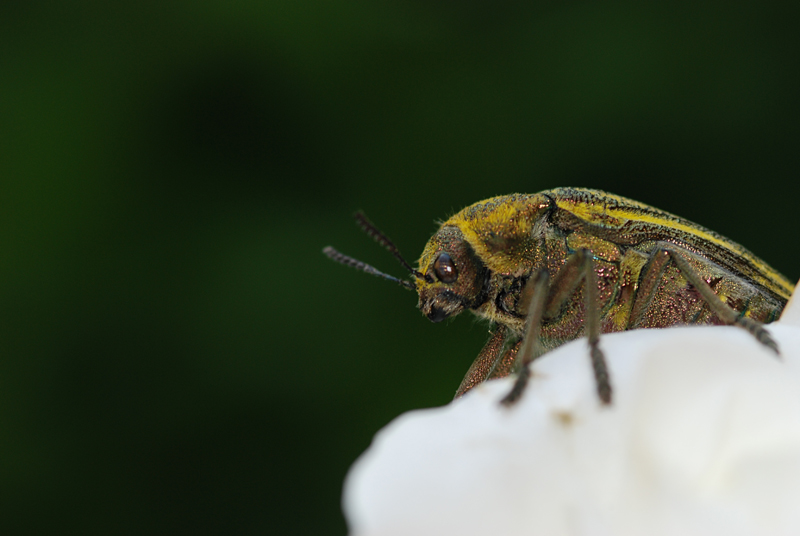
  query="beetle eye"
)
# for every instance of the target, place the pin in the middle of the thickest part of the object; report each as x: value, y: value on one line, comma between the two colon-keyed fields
x: 445, y: 268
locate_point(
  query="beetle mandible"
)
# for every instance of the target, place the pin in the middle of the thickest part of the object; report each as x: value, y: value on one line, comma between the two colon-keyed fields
x: 554, y: 266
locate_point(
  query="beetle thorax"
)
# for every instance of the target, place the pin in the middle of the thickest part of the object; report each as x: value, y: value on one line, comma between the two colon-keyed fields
x: 503, y: 301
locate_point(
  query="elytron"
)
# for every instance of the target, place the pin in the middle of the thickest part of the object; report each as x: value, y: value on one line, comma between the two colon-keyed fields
x: 551, y: 267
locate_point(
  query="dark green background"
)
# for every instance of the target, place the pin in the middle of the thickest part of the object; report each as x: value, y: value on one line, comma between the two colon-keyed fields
x: 178, y: 356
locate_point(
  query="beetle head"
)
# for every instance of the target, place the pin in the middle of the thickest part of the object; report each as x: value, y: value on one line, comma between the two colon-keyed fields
x: 453, y: 276
x: 450, y: 277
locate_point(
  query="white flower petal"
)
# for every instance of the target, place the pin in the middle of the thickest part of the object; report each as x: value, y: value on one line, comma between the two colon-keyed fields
x: 703, y: 437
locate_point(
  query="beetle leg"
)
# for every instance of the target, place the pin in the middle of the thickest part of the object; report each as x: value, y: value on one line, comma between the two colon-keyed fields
x: 719, y: 307
x: 535, y: 294
x: 592, y: 327
x: 565, y: 283
x: 496, y: 360
x: 655, y: 273
x: 579, y: 267
x: 652, y: 276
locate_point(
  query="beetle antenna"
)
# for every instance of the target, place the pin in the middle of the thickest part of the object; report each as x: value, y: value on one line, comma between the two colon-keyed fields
x: 364, y: 267
x: 383, y: 240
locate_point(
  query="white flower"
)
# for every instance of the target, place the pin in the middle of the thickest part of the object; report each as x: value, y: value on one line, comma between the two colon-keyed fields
x: 703, y: 437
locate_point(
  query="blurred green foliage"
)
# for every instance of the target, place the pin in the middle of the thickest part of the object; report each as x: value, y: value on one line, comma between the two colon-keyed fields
x: 178, y: 357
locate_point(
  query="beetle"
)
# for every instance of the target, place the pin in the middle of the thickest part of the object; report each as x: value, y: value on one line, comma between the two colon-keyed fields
x: 550, y: 267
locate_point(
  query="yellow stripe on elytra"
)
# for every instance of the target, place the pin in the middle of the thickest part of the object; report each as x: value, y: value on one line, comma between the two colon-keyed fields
x: 592, y: 212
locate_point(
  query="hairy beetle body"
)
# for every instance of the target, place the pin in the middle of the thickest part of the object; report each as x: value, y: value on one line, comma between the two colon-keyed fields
x: 646, y: 268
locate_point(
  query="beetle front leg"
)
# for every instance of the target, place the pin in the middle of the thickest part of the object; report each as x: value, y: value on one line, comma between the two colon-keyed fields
x: 535, y: 294
x: 496, y: 360
x: 546, y: 302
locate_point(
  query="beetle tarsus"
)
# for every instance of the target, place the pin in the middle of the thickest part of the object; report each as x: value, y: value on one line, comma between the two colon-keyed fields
x: 519, y: 387
x: 600, y: 368
x: 757, y: 330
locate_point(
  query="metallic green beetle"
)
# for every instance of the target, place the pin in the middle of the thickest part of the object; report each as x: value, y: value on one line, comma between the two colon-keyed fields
x: 551, y: 267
